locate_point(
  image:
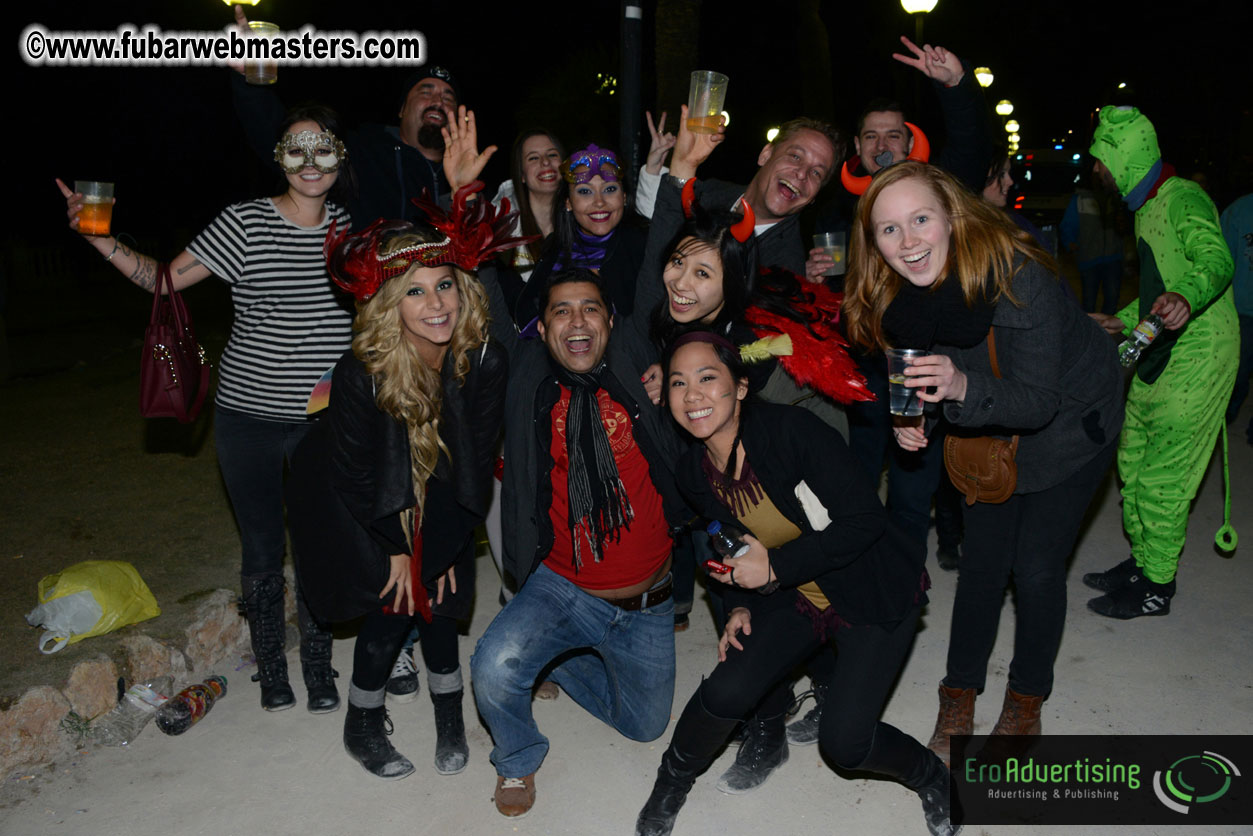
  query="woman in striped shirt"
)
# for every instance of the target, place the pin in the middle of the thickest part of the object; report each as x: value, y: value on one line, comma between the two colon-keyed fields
x: 289, y: 328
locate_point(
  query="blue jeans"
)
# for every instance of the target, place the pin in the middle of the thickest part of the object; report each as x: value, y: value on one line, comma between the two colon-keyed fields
x: 622, y: 671
x: 251, y: 453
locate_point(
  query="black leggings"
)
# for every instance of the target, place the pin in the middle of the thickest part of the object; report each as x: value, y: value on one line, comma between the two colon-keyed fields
x: 380, y: 640
x: 866, y: 664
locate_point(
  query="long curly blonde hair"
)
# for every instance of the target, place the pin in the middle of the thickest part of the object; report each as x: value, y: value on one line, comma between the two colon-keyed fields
x: 986, y: 253
x: 407, y: 388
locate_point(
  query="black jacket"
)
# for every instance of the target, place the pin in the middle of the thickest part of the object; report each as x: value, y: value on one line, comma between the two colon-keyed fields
x: 351, y: 480
x: 869, y: 571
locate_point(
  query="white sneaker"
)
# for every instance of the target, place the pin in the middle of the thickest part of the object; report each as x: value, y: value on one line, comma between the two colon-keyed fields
x: 402, y: 685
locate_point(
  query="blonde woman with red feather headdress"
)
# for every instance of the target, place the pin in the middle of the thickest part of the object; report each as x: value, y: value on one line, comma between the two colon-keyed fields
x: 386, y: 492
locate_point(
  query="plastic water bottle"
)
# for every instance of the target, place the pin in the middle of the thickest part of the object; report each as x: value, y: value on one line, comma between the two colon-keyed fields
x: 132, y: 713
x: 189, y: 705
x: 723, y: 543
x: 1141, y: 338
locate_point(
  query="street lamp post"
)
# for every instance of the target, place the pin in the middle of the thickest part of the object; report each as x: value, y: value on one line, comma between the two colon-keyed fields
x: 919, y: 9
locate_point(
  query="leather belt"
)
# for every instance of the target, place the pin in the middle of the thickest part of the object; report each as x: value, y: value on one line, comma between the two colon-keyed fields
x: 650, y: 598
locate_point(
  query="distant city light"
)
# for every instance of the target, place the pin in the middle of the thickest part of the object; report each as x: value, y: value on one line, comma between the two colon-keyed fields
x: 1057, y: 147
x: 1004, y: 107
x: 1075, y: 157
x: 771, y: 134
x: 1015, y: 138
x: 1012, y: 126
x: 984, y: 76
x: 1122, y: 85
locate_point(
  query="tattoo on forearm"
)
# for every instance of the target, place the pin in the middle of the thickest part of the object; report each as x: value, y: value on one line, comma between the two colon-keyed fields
x: 195, y: 262
x: 145, y: 274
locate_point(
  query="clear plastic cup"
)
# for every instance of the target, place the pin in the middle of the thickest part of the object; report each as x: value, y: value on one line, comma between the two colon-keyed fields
x: 902, y: 400
x: 258, y: 69
x: 705, y: 97
x: 832, y: 243
x: 96, y: 217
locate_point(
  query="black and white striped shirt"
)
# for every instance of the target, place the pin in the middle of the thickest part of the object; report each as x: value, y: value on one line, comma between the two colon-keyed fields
x: 291, y: 325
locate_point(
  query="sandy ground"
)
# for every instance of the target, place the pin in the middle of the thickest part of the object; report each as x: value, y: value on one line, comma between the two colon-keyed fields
x: 244, y: 771
x: 74, y: 486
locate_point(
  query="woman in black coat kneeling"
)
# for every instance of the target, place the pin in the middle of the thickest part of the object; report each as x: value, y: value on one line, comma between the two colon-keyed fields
x: 823, y: 565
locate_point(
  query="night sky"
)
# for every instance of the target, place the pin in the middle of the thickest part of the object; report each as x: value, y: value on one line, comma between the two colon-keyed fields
x: 170, y: 140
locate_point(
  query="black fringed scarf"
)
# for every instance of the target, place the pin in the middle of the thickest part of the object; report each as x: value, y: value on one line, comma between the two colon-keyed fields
x: 921, y: 317
x: 598, y: 504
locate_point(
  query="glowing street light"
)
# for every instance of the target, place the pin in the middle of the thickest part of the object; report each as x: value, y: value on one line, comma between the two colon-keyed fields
x: 919, y: 9
x: 1012, y: 126
x: 1004, y: 107
x: 771, y: 134
x: 984, y: 76
x: 1015, y: 138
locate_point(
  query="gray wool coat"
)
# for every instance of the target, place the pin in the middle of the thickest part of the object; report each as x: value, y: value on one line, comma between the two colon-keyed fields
x: 1061, y: 389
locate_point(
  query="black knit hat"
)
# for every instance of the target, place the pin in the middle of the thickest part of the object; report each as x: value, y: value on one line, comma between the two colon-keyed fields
x: 423, y: 73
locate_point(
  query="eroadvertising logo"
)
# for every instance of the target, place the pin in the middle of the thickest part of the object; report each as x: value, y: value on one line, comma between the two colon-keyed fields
x: 1210, y: 775
x: 1095, y: 780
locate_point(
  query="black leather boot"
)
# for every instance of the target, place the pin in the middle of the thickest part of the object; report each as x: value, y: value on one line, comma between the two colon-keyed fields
x: 365, y: 738
x: 763, y: 751
x: 263, y: 603
x: 315, y: 661
x: 697, y: 738
x: 451, y: 751
x: 936, y: 799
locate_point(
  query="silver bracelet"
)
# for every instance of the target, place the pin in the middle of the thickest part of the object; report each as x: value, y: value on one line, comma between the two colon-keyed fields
x: 113, y: 252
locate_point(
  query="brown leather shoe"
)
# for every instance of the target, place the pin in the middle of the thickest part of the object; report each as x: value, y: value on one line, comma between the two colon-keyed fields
x: 515, y: 796
x: 1020, y: 715
x: 957, y: 716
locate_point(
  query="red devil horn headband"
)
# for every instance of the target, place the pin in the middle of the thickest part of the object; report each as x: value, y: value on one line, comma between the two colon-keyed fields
x: 920, y: 152
x: 741, y: 230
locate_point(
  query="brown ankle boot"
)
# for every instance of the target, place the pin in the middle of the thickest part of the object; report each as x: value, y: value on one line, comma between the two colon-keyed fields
x: 957, y: 716
x: 1020, y: 715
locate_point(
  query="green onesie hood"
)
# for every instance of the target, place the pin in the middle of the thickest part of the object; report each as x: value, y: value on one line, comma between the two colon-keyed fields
x: 1127, y: 143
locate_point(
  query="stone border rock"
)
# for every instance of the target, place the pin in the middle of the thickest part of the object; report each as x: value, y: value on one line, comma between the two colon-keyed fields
x: 31, y: 731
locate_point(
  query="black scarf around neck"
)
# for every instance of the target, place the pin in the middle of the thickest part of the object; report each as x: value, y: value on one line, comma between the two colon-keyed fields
x: 598, y: 503
x: 921, y: 317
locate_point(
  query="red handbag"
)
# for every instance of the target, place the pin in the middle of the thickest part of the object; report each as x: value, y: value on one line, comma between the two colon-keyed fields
x: 173, y: 369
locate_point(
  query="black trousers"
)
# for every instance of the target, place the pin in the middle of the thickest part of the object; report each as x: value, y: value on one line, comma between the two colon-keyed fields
x: 1028, y: 538
x: 867, y: 661
x: 381, y: 637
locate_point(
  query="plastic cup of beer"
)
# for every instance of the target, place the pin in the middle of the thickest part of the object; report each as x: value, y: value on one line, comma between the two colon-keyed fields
x: 96, y: 216
x: 258, y: 69
x: 832, y: 243
x: 705, y: 98
x: 902, y: 400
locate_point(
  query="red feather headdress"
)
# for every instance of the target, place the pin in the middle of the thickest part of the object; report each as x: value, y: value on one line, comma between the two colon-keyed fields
x: 473, y: 232
x: 819, y: 353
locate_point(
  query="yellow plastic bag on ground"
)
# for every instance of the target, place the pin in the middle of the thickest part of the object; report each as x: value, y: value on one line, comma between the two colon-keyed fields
x: 90, y: 599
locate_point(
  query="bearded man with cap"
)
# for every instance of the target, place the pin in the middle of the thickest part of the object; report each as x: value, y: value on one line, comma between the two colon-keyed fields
x: 1183, y: 379
x: 392, y: 164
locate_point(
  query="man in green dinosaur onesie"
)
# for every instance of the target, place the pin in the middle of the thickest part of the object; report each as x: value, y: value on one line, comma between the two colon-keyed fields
x: 1184, y: 379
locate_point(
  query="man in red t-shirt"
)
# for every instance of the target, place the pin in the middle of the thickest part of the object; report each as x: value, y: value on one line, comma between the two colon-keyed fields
x: 587, y: 483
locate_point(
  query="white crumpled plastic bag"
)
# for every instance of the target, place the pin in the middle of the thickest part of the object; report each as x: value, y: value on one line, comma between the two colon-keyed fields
x: 63, y: 618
